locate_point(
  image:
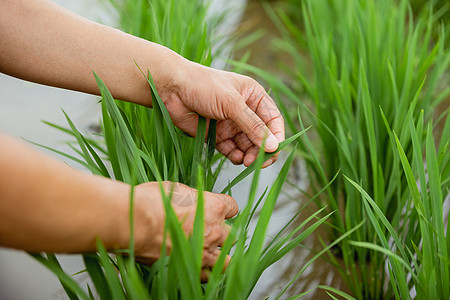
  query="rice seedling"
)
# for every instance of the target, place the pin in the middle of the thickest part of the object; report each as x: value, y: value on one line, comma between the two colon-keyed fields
x: 374, y: 66
x: 184, y: 26
x: 441, y: 9
x: 418, y: 249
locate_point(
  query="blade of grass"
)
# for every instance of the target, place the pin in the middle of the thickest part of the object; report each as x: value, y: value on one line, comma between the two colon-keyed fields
x: 70, y: 286
x: 91, y: 261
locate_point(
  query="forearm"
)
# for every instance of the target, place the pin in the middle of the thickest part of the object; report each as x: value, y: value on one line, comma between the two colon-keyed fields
x: 44, y: 43
x: 47, y: 206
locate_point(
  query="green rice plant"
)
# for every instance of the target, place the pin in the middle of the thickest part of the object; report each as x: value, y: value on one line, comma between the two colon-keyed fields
x: 441, y: 9
x: 373, y: 66
x: 183, y: 26
x: 378, y: 72
x: 419, y: 265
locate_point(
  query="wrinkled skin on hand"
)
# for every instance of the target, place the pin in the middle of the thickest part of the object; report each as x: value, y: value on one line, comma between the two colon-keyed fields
x: 245, y: 112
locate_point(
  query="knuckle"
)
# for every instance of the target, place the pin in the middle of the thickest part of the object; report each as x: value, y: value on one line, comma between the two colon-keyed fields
x: 220, y: 206
x: 235, y: 156
x: 214, y: 236
x: 232, y: 106
x: 209, y: 259
x: 251, y: 81
x: 257, y: 126
x: 234, y: 208
x: 235, y: 162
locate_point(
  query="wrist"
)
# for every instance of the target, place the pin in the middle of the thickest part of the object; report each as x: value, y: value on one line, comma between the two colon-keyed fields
x: 168, y: 69
x: 148, y: 219
x: 111, y: 212
x: 144, y: 220
x: 118, y: 227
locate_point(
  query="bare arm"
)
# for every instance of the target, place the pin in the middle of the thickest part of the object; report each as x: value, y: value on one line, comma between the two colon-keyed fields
x: 45, y: 43
x: 47, y: 206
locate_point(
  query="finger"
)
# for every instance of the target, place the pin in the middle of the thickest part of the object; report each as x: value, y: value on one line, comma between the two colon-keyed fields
x: 252, y: 125
x: 276, y: 126
x: 251, y: 155
x: 216, y: 235
x: 226, y: 229
x: 275, y: 157
x: 270, y: 161
x: 226, y: 129
x: 227, y: 206
x: 269, y: 113
x: 210, y: 256
x: 230, y: 150
x: 206, y: 271
x: 204, y: 275
x: 243, y: 142
x: 267, y: 163
x: 231, y: 206
x: 236, y: 156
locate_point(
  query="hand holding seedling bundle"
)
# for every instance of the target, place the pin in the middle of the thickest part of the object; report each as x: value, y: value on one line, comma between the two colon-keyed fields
x: 62, y: 210
x: 245, y: 112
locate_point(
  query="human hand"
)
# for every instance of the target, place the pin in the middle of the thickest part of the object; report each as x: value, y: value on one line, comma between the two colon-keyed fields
x: 245, y: 112
x: 217, y: 208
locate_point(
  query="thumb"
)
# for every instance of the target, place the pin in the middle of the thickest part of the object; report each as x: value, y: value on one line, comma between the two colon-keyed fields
x: 252, y: 125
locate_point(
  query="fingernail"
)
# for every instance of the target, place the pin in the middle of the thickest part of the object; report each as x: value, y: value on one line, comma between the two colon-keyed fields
x: 271, y: 144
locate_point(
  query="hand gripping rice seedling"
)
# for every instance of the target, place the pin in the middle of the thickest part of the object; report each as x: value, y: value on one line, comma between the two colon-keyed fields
x: 139, y: 144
